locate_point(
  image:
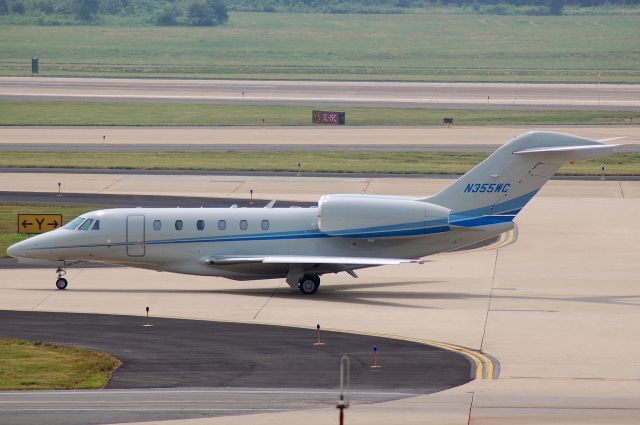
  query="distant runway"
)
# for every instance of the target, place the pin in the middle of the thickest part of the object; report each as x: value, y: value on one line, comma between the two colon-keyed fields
x: 218, y: 368
x: 381, y: 94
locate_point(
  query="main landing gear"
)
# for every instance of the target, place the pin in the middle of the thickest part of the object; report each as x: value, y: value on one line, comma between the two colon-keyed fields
x: 61, y: 282
x: 309, y: 284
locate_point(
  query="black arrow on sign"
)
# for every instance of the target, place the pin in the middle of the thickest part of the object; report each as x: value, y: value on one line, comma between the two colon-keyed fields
x: 53, y: 223
x: 26, y: 223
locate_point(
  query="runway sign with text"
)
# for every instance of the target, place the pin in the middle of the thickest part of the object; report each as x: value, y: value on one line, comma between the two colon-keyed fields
x: 328, y: 117
x: 38, y: 223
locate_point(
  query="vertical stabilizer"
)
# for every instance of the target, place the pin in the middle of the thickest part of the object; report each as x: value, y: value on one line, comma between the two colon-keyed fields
x: 502, y: 184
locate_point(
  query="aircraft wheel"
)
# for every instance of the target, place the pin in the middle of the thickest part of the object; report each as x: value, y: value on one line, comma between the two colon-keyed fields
x: 309, y: 284
x: 61, y: 283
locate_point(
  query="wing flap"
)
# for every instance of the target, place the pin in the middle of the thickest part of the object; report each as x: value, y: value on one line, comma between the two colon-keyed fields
x: 308, y: 259
x: 304, y: 259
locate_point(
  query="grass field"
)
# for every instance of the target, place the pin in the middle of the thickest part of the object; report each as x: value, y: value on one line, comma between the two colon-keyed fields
x: 334, y: 162
x: 176, y: 114
x: 451, y: 47
x: 9, y: 220
x: 40, y: 366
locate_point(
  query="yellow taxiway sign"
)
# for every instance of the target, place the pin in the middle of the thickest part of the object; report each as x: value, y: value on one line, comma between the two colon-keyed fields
x: 38, y: 223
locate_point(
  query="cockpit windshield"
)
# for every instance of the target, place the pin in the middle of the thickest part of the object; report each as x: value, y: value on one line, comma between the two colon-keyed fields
x: 86, y: 225
x: 73, y: 223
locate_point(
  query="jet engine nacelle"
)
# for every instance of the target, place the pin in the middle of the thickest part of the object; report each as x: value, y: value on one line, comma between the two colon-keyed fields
x: 371, y: 216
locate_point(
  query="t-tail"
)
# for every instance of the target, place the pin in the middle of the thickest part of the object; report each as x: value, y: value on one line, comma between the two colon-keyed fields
x: 499, y: 187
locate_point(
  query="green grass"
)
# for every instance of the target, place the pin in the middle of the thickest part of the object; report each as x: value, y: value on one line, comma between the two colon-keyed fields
x: 9, y: 219
x: 151, y: 114
x: 41, y: 366
x: 333, y: 162
x: 452, y: 47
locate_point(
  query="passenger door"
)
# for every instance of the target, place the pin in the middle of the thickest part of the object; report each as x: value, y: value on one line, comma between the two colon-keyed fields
x: 135, y: 235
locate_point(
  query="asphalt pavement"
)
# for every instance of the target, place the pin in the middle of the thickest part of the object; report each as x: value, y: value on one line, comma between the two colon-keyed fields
x: 252, y: 367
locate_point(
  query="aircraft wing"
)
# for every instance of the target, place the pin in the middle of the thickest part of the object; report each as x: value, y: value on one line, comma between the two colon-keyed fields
x: 308, y: 259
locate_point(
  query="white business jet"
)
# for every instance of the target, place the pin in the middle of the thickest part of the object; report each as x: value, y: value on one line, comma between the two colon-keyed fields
x: 342, y: 234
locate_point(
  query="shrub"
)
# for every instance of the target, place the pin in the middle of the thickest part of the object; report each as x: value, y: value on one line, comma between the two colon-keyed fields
x: 168, y: 16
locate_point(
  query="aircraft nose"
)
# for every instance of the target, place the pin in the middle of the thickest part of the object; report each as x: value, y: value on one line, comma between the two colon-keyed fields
x: 16, y: 250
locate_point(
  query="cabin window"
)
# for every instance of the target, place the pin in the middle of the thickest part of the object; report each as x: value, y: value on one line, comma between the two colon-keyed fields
x: 86, y: 225
x: 179, y: 224
x: 264, y: 224
x: 157, y: 225
x: 73, y: 223
x: 222, y: 225
x: 200, y: 224
x: 244, y: 225
x: 96, y: 225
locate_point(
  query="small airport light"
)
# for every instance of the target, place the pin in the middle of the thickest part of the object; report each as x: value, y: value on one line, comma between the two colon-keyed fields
x: 104, y: 139
x: 602, y: 178
x: 345, y: 383
x: 375, y: 364
x: 59, y: 188
x: 318, y: 342
x: 146, y: 323
x: 251, y: 195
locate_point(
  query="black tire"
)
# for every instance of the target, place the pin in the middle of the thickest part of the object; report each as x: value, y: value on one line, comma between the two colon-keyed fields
x: 309, y: 284
x: 61, y: 283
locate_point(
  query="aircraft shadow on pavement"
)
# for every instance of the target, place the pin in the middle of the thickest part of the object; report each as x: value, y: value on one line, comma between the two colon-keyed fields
x: 363, y: 293
x: 355, y: 293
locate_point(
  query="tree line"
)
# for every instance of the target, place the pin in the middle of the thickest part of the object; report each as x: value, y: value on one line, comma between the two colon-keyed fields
x: 407, y: 6
x: 160, y: 12
x: 215, y: 12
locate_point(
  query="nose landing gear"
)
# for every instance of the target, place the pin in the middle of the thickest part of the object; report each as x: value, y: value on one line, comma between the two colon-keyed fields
x: 61, y: 282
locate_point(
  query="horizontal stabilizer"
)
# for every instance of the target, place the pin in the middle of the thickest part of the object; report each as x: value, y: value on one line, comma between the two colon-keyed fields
x: 306, y: 259
x: 567, y: 153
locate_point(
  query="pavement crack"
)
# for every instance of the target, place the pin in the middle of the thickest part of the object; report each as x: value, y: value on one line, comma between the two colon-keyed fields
x: 366, y: 186
x: 43, y: 301
x: 621, y: 189
x: 235, y: 188
x: 109, y: 186
x: 267, y: 301
x: 486, y: 317
x: 470, y: 408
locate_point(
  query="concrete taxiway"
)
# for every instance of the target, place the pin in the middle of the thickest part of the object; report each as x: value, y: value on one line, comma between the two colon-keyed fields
x: 197, y: 139
x: 156, y: 405
x: 285, y: 189
x: 389, y: 94
x: 559, y: 308
x: 134, y: 201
